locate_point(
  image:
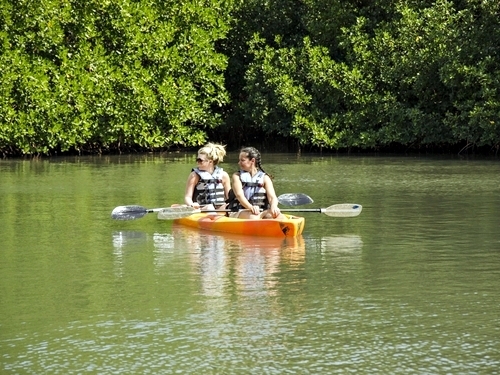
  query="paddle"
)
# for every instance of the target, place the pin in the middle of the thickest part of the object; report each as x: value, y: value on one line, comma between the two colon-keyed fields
x: 336, y: 210
x: 136, y: 212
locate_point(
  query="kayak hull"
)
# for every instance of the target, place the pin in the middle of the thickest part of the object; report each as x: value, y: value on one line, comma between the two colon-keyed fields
x: 290, y: 226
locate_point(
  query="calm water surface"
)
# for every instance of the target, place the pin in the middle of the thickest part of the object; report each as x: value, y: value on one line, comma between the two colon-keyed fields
x: 412, y: 285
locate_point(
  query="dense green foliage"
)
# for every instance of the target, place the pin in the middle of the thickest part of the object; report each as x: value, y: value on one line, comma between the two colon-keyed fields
x: 123, y: 74
x: 376, y: 73
x: 108, y: 74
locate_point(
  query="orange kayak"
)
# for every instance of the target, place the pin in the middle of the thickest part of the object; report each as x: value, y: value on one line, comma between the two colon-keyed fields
x: 290, y: 226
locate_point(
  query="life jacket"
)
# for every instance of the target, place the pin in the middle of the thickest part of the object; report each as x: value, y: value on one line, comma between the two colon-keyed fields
x: 253, y: 188
x: 209, y: 189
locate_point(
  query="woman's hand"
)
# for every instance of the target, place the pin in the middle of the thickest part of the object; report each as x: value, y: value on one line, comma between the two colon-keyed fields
x: 255, y: 210
x: 275, y: 211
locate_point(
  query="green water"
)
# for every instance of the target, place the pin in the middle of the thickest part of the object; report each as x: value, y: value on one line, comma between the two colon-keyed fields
x: 412, y: 285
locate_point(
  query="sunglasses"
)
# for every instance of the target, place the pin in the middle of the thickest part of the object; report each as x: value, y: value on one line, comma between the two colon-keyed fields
x: 198, y: 160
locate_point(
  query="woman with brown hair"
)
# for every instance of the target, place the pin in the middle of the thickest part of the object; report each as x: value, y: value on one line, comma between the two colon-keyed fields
x: 254, y: 195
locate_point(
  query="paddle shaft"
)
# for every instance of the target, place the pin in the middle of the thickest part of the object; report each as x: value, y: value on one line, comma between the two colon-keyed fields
x: 281, y: 209
x: 135, y: 211
x: 336, y: 210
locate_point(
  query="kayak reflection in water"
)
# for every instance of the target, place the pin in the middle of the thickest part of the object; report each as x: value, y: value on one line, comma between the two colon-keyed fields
x: 253, y: 189
x: 208, y: 184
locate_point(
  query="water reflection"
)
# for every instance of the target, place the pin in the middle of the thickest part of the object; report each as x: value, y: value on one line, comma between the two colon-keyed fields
x: 122, y: 238
x: 226, y: 263
x: 349, y: 244
x: 226, y: 274
x: 247, y: 265
x: 338, y: 253
x: 221, y: 263
x: 125, y: 243
x: 251, y: 276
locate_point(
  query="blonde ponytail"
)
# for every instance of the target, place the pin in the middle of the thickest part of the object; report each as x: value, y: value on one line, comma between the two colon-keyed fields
x: 214, y: 152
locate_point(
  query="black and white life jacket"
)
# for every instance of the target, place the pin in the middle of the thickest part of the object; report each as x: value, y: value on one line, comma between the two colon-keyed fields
x: 209, y: 189
x: 253, y: 188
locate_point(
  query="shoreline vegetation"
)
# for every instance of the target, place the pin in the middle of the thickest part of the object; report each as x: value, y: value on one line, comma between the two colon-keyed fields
x: 111, y: 77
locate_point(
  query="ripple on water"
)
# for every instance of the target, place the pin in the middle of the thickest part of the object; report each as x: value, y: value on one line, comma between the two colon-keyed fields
x: 348, y: 335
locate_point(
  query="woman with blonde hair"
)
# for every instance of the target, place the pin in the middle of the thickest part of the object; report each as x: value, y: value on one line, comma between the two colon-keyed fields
x: 208, y: 184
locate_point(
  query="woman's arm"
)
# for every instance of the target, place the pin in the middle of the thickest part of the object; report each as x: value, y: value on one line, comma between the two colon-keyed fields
x: 226, y: 182
x: 271, y: 196
x: 190, y: 185
x: 240, y: 195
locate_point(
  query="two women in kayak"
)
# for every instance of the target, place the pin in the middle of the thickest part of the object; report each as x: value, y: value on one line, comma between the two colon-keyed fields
x: 252, y: 195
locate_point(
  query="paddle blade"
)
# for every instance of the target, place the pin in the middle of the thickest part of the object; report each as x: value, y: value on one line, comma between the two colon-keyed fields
x: 294, y: 199
x: 176, y: 212
x: 343, y: 210
x: 128, y: 212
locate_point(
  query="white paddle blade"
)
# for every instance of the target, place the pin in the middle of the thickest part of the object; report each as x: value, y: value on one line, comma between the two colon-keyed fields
x: 176, y: 212
x: 343, y: 210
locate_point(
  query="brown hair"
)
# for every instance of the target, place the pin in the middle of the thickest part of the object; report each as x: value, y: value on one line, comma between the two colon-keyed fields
x: 253, y: 153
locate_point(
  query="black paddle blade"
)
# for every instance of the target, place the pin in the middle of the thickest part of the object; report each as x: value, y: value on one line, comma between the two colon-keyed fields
x: 294, y: 199
x: 128, y: 212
